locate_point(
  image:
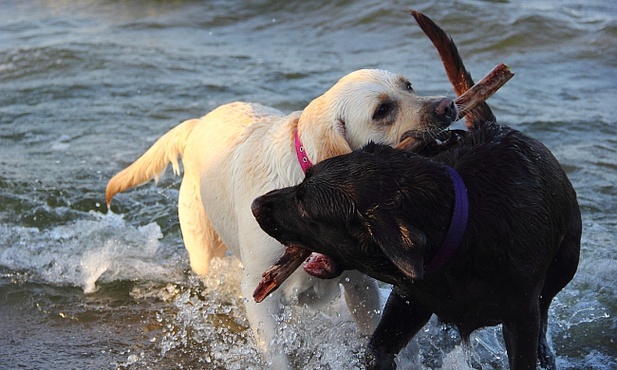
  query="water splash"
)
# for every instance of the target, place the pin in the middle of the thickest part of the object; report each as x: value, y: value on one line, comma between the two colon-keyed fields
x: 103, y: 248
x: 203, y: 322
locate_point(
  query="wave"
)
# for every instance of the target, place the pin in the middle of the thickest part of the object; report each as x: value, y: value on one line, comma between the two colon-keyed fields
x: 84, y: 252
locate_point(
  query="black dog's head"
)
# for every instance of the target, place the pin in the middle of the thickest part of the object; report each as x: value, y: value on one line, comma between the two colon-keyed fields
x: 353, y: 209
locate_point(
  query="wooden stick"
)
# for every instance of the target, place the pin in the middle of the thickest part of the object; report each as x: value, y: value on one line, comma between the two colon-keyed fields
x: 280, y: 271
x: 468, y: 102
x: 483, y: 90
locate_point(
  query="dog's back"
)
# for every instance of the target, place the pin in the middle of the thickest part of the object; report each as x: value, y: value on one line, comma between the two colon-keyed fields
x: 515, y: 184
x: 522, y: 206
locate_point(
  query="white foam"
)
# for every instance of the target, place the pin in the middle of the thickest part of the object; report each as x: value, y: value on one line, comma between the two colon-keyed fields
x: 103, y: 248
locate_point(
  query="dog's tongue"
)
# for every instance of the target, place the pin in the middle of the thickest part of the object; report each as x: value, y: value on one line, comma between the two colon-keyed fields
x: 293, y: 257
x: 322, y: 266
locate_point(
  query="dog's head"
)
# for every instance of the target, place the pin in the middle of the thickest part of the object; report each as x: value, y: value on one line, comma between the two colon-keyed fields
x: 370, y: 105
x: 353, y: 209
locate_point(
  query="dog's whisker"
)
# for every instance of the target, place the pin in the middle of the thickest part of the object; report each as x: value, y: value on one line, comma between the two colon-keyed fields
x: 460, y: 108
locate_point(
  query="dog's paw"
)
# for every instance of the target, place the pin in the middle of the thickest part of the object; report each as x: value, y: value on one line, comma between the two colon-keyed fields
x: 379, y: 359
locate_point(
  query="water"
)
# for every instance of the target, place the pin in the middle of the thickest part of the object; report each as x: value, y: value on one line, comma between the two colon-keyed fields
x: 87, y: 85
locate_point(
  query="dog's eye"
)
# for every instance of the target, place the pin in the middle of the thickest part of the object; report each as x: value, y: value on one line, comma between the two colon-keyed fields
x: 299, y: 204
x: 383, y: 110
x: 302, y: 211
x: 408, y: 86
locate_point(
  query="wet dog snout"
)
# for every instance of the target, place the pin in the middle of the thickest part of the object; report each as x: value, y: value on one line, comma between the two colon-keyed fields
x: 446, y: 109
x: 259, y: 207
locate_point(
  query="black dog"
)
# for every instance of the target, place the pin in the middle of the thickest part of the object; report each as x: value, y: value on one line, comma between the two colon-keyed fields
x: 387, y: 212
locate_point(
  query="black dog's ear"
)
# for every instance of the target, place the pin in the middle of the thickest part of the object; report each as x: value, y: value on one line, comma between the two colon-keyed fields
x: 403, y: 244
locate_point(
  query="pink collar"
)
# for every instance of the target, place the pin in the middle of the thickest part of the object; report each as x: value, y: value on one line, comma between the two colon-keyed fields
x: 303, y: 159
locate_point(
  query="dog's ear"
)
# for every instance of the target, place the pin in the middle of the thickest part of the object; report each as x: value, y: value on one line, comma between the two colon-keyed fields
x: 335, y: 144
x: 403, y: 244
x: 322, y: 131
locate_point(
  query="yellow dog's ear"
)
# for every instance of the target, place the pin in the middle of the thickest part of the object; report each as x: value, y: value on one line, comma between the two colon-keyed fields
x: 321, y: 131
x: 334, y: 144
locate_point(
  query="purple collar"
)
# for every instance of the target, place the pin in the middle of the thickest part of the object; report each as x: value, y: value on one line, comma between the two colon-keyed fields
x: 458, y: 224
x: 303, y: 159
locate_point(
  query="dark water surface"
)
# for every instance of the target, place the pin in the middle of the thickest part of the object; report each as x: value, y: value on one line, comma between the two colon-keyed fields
x: 87, y: 86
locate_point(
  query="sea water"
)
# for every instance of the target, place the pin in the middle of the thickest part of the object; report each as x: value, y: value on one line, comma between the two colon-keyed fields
x: 86, y: 86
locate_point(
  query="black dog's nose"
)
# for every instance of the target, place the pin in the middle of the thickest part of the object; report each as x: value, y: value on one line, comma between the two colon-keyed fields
x: 258, y: 207
x: 446, y: 109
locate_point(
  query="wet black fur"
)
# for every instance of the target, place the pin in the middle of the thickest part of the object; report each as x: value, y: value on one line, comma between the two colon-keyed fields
x: 386, y: 212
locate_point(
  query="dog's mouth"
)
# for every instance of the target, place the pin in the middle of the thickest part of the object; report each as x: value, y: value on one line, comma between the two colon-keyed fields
x: 438, y: 115
x: 318, y: 265
x: 412, y: 140
x: 415, y: 141
x: 433, y: 143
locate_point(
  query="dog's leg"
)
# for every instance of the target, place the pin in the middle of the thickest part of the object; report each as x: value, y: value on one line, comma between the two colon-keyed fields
x: 559, y: 274
x: 200, y: 239
x: 402, y: 319
x: 264, y: 319
x: 363, y: 300
x: 545, y: 354
x: 520, y: 335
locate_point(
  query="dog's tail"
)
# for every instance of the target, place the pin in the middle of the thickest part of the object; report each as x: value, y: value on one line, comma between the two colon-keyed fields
x: 152, y: 164
x: 459, y: 76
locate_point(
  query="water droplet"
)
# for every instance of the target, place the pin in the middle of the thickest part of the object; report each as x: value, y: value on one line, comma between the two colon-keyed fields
x: 132, y: 359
